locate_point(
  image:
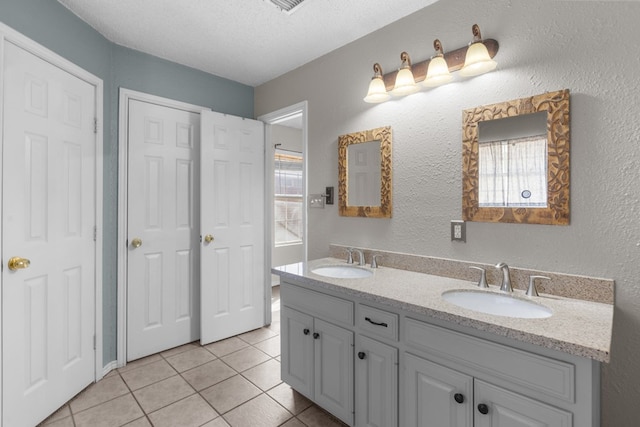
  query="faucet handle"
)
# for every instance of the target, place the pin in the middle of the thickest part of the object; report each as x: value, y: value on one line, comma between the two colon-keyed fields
x: 374, y: 260
x: 482, y: 283
x: 349, y: 255
x: 532, y: 291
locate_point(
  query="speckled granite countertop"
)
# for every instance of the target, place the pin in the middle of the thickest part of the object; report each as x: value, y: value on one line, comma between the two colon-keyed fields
x: 576, y: 327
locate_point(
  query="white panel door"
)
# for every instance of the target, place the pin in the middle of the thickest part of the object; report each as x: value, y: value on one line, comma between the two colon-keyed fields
x: 48, y: 217
x: 163, y: 215
x: 232, y: 214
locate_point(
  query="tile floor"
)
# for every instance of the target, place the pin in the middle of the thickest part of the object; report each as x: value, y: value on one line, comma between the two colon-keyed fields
x: 234, y: 382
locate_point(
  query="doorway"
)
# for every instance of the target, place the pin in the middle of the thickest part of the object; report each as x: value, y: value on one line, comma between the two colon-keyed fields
x: 51, y: 229
x: 286, y: 177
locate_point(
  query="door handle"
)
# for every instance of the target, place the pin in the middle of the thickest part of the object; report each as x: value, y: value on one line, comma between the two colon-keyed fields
x: 17, y: 263
x: 136, y: 242
x: 208, y: 238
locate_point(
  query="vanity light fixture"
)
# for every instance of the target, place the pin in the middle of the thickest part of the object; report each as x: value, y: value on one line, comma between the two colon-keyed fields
x: 438, y: 71
x: 471, y: 60
x: 477, y: 60
x: 405, y: 82
x: 377, y: 90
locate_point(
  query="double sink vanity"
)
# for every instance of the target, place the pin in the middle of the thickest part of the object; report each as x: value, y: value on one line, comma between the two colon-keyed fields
x: 393, y: 347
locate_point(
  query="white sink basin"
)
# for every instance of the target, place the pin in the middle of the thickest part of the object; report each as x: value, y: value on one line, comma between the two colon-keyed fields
x: 342, y: 271
x: 497, y: 304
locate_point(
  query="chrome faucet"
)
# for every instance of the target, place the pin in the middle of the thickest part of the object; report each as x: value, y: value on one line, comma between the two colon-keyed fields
x: 506, y: 277
x: 349, y: 255
x: 361, y: 254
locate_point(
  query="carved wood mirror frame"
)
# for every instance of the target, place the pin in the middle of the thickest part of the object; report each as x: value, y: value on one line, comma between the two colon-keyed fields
x: 556, y: 104
x: 382, y: 134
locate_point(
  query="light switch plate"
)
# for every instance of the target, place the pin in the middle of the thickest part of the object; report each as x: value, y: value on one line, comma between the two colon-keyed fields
x: 458, y: 231
x: 316, y: 201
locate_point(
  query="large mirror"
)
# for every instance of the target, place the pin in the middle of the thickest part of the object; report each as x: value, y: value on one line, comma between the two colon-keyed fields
x: 515, y: 161
x: 364, y: 173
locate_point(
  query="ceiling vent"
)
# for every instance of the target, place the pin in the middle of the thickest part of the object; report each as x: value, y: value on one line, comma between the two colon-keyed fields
x: 287, y: 6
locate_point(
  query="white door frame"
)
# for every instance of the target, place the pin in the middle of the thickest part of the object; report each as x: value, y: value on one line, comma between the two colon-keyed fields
x: 123, y: 184
x: 7, y: 34
x: 273, y: 119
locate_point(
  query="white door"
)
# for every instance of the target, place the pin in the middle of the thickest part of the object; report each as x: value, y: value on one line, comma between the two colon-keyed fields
x: 163, y: 226
x: 232, y: 224
x: 48, y: 217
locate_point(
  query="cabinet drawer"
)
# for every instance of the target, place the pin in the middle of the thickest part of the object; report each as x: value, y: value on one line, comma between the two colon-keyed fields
x: 530, y: 371
x: 333, y: 309
x: 377, y: 322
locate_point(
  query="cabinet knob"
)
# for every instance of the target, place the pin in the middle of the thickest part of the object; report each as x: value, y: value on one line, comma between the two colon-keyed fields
x: 316, y: 335
x: 458, y: 397
x: 483, y: 409
x: 306, y: 331
x: 361, y: 355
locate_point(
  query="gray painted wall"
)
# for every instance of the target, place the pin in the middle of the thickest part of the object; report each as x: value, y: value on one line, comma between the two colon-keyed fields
x: 590, y: 48
x: 52, y: 25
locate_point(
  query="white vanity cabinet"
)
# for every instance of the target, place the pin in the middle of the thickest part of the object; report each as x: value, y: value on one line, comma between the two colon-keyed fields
x: 317, y: 355
x: 372, y: 364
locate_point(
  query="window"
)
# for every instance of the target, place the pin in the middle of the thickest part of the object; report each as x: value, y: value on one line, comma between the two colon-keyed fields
x: 288, y: 198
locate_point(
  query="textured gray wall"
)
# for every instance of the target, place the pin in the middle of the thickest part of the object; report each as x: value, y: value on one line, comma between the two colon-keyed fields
x: 588, y: 47
x: 52, y: 25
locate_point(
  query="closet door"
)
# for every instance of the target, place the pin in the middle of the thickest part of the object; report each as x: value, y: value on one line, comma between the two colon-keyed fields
x: 232, y: 226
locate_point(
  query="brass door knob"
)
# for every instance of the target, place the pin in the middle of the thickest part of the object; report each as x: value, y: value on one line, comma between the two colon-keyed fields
x: 17, y: 263
x: 208, y: 238
x: 136, y: 242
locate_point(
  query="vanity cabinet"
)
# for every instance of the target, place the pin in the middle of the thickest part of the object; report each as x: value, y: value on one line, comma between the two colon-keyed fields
x: 376, y: 383
x: 317, y: 356
x: 374, y: 365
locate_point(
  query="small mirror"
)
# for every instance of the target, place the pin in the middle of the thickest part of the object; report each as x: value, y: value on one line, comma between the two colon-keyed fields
x: 364, y: 169
x: 516, y: 161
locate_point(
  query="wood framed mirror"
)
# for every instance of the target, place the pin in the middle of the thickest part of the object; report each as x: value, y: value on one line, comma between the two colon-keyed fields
x: 365, y: 173
x: 515, y: 161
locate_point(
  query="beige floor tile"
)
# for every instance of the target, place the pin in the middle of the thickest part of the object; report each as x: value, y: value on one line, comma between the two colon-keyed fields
x: 60, y: 422
x: 257, y: 335
x: 230, y: 393
x: 111, y: 373
x: 61, y: 413
x: 316, y: 417
x: 218, y: 422
x: 293, y: 401
x: 140, y: 362
x: 179, y: 349
x: 100, y: 392
x: 163, y: 393
x: 228, y: 346
x: 293, y: 422
x: 274, y: 326
x: 261, y: 411
x: 246, y: 358
x: 190, y: 359
x: 116, y: 412
x: 148, y: 374
x: 270, y: 346
x: 266, y: 375
x: 208, y: 374
x: 140, y: 422
x: 190, y: 412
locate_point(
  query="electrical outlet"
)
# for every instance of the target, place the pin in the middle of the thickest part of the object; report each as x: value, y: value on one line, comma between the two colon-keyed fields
x: 458, y: 231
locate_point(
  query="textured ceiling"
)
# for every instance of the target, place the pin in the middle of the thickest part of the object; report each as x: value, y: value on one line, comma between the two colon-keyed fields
x: 248, y: 41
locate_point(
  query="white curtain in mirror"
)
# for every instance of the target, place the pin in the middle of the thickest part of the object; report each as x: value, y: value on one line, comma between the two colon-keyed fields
x: 364, y: 174
x: 513, y: 172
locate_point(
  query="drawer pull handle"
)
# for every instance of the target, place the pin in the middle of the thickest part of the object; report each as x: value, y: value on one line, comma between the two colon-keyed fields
x: 361, y: 355
x: 316, y: 335
x: 306, y: 331
x: 483, y: 409
x: 376, y: 323
x: 458, y: 397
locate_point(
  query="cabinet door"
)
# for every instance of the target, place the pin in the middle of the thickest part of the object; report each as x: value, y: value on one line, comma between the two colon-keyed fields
x: 297, y: 350
x: 376, y: 384
x: 505, y: 408
x: 435, y: 395
x: 334, y: 369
